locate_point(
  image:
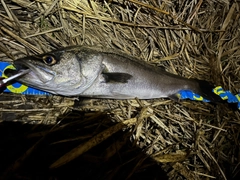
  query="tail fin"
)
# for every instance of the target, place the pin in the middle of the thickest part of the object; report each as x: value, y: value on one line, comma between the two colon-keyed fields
x: 205, y: 89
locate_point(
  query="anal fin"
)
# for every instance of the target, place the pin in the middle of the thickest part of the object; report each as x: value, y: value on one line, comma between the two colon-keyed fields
x: 175, y: 97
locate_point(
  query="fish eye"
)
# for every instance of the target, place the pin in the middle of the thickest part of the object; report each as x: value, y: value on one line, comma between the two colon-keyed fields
x: 49, y: 60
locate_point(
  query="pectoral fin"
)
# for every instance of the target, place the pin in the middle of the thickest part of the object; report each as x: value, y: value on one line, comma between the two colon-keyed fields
x: 116, y: 77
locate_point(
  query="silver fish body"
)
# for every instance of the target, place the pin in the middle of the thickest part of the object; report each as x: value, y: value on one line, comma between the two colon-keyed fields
x: 103, y: 73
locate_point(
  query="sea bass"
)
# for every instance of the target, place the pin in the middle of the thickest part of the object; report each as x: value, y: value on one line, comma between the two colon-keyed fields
x: 103, y: 73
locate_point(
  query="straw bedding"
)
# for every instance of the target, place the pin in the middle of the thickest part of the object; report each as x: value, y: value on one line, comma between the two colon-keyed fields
x: 61, y: 137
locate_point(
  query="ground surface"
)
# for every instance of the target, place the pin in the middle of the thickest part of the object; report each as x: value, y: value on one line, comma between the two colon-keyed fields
x: 187, y: 139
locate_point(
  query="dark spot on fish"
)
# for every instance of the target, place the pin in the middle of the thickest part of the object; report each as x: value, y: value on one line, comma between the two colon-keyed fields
x: 116, y: 77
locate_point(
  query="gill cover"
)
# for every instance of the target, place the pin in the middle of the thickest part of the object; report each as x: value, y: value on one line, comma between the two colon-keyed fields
x: 74, y: 72
x: 66, y: 72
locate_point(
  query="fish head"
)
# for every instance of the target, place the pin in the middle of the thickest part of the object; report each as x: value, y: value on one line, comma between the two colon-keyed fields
x: 58, y: 72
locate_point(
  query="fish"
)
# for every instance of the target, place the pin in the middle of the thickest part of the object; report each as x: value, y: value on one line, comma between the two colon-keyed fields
x: 99, y: 72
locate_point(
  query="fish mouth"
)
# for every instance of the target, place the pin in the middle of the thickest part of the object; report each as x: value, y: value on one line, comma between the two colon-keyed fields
x: 37, y: 75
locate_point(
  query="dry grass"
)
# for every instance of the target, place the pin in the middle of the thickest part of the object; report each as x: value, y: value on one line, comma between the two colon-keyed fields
x: 195, y: 39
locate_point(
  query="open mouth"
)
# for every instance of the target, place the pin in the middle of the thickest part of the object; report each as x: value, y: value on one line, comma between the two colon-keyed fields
x: 19, y: 68
x: 10, y: 72
x: 14, y: 74
x: 30, y: 73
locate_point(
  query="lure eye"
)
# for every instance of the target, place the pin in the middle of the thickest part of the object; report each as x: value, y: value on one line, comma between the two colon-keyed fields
x: 49, y: 60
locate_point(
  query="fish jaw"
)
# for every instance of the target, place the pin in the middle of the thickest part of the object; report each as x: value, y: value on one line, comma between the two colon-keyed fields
x: 38, y: 75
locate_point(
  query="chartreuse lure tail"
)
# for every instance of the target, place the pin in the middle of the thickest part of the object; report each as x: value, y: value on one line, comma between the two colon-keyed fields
x: 224, y: 95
